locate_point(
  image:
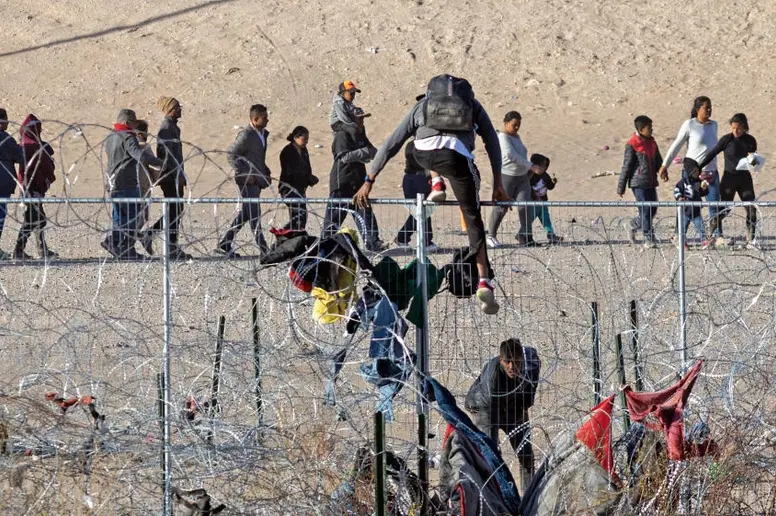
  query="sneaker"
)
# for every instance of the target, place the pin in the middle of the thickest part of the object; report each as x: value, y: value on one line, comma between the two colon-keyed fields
x: 721, y: 242
x: 176, y: 253
x: 401, y: 245
x: 378, y: 246
x: 753, y: 244
x: 147, y: 241
x: 20, y: 256
x: 108, y: 246
x: 438, y: 192
x: 554, y: 239
x: 4, y: 255
x: 675, y: 239
x: 707, y: 243
x: 48, y: 254
x: 130, y: 255
x: 431, y: 247
x: 526, y: 243
x: 492, y: 242
x: 229, y: 251
x: 649, y: 244
x: 632, y: 235
x: 487, y: 298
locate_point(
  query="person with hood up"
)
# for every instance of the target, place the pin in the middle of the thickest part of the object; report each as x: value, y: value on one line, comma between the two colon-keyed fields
x: 352, y: 150
x: 36, y: 174
x: 125, y: 161
x: 10, y: 155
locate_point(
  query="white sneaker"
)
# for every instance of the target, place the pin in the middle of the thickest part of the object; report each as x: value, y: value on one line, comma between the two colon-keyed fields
x: 649, y: 244
x: 432, y: 248
x: 753, y: 244
x: 721, y: 242
x: 492, y: 242
x: 487, y: 299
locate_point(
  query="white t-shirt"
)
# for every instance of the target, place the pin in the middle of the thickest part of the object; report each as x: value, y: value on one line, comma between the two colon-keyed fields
x: 700, y: 139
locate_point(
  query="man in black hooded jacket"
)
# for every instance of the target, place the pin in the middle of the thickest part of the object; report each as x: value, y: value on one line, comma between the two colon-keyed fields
x: 352, y: 150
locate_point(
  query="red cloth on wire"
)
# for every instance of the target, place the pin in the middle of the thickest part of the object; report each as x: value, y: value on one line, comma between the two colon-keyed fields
x: 596, y: 434
x: 667, y: 406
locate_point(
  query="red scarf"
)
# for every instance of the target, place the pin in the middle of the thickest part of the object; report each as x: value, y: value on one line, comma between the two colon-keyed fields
x: 121, y: 127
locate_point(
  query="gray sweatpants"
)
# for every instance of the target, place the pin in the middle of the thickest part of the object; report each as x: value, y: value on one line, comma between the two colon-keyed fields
x: 519, y: 189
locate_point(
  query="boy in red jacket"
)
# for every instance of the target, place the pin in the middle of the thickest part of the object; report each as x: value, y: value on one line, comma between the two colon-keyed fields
x: 35, y: 176
x: 639, y: 172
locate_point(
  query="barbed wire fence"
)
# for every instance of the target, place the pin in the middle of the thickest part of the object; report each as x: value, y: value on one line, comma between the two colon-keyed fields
x: 83, y: 337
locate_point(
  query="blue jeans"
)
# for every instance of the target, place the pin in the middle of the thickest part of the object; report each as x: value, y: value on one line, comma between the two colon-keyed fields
x: 643, y: 220
x: 697, y: 221
x: 125, y: 219
x: 714, y: 195
x: 543, y: 214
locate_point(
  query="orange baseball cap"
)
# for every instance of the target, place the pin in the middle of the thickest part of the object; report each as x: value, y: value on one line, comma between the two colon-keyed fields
x: 348, y: 86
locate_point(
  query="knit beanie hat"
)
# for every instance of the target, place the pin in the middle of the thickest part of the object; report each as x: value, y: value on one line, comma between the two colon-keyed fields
x: 166, y: 104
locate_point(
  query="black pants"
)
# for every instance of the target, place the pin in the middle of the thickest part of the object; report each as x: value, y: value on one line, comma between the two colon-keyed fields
x: 464, y: 179
x: 250, y: 212
x: 297, y: 210
x: 414, y: 184
x: 739, y: 182
x: 34, y: 219
x: 365, y: 219
x: 171, y: 190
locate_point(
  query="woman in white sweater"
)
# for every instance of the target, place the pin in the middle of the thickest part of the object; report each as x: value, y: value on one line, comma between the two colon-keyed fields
x: 699, y: 132
x: 516, y: 171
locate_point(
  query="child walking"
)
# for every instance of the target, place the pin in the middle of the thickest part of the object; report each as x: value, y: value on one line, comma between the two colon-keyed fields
x: 692, y: 188
x: 639, y: 172
x: 541, y: 182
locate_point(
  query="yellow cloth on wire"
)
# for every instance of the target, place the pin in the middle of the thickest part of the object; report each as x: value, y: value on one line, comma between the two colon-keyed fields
x: 330, y: 307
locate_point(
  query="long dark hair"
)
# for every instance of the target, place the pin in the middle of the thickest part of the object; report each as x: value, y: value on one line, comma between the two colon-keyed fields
x: 697, y: 104
x: 740, y: 118
x: 297, y: 132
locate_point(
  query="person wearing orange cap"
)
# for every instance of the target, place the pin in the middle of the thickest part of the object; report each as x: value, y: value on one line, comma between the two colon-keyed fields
x: 341, y: 115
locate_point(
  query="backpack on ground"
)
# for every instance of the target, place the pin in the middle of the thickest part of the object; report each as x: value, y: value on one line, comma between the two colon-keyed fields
x: 449, y: 104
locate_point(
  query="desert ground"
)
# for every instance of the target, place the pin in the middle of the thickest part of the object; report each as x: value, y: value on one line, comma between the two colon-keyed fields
x: 578, y: 72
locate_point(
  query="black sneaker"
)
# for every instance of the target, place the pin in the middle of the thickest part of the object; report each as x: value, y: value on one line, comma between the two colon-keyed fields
x: 229, y: 252
x: 108, y: 246
x: 147, y: 241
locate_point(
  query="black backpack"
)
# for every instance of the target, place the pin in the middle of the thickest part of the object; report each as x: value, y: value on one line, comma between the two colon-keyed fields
x: 462, y: 276
x: 449, y: 104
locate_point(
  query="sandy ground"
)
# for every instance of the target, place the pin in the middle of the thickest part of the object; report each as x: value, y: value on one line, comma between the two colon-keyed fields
x: 578, y: 72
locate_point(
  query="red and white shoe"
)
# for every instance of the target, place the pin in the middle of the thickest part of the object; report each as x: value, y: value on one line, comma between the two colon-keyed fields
x: 438, y: 191
x: 487, y: 298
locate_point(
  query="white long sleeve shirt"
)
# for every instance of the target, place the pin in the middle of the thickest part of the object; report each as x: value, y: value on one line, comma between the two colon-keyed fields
x: 514, y: 155
x: 700, y: 139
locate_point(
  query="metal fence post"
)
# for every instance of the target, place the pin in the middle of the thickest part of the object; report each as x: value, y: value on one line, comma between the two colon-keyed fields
x: 680, y: 216
x: 421, y: 350
x: 596, y: 336
x: 621, y: 378
x: 167, y: 505
x: 638, y: 371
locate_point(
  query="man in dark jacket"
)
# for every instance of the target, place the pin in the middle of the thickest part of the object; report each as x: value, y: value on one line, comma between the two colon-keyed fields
x: 247, y: 157
x: 10, y: 156
x: 125, y: 158
x: 500, y: 397
x: 352, y: 150
x: 639, y: 172
x: 36, y: 174
x: 172, y: 180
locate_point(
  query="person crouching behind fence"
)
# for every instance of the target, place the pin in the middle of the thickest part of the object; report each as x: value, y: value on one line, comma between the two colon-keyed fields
x: 36, y: 174
x: 500, y: 397
x: 692, y: 188
x: 124, y: 159
x: 541, y: 183
x: 639, y: 172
